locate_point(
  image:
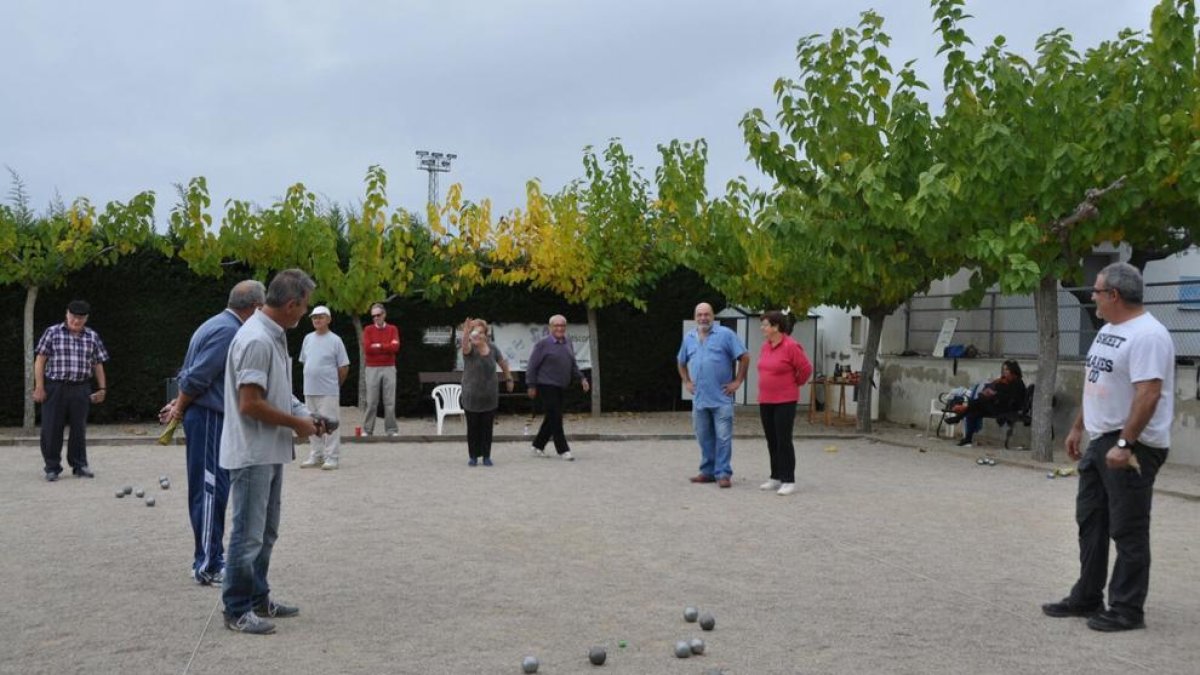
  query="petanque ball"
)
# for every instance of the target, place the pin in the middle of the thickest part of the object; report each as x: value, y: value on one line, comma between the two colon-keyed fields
x: 149, y: 501
x: 163, y: 478
x: 597, y: 656
x: 120, y: 494
x: 128, y: 489
x: 991, y: 462
x: 697, y: 646
x: 981, y: 461
x: 166, y: 485
x: 1050, y: 475
x: 690, y: 614
x: 139, y: 493
x: 530, y: 664
x: 683, y: 649
x: 707, y: 622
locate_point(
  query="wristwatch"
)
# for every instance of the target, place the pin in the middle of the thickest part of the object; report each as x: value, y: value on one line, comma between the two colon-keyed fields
x: 1124, y: 444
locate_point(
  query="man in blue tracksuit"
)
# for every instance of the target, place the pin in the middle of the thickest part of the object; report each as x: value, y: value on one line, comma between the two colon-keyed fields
x: 201, y: 407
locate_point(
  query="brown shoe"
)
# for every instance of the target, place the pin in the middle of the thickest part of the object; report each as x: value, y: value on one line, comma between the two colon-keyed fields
x: 724, y: 482
x: 702, y: 478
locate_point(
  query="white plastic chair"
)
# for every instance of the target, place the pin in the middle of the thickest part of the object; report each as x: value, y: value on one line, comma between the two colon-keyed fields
x: 936, y: 410
x: 446, y: 399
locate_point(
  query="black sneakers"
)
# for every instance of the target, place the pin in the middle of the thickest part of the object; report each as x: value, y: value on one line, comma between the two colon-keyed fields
x: 1064, y: 608
x: 249, y: 623
x: 1112, y: 622
x: 276, y: 610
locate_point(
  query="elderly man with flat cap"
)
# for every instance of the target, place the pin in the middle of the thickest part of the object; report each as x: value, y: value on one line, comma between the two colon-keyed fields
x: 69, y: 355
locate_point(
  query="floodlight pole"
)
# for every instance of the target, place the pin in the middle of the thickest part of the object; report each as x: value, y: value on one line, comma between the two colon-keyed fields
x: 434, y: 163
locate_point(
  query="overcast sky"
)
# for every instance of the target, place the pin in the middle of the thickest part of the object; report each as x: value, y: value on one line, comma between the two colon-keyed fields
x: 105, y: 99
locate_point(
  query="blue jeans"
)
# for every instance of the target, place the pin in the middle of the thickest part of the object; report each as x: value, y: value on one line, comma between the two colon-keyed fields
x: 714, y: 431
x: 255, y: 492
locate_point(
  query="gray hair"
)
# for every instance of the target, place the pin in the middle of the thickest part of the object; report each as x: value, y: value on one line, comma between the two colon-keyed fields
x: 247, y: 294
x: 1125, y: 279
x: 288, y: 286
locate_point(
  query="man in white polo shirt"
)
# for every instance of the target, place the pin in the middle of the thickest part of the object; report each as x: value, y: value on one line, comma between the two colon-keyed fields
x: 326, y: 365
x: 1128, y: 407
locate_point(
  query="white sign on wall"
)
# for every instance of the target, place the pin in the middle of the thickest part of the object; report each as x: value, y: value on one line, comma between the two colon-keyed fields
x: 944, y: 337
x: 516, y: 340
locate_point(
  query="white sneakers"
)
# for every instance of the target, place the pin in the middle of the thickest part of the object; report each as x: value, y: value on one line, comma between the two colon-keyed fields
x: 536, y: 451
x: 568, y: 456
x: 330, y: 465
x: 312, y: 463
x: 786, y: 489
x: 770, y: 485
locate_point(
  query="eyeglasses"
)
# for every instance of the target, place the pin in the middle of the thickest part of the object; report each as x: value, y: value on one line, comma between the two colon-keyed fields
x: 376, y: 316
x: 1098, y: 291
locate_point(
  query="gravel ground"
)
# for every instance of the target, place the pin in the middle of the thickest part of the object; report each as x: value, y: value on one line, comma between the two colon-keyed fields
x: 888, y: 559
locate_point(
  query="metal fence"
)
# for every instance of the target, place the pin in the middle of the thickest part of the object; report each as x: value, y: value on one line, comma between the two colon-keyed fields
x: 1005, y: 325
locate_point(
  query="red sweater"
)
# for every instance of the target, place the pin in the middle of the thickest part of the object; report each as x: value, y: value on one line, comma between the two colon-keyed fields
x: 388, y: 339
x: 782, y: 370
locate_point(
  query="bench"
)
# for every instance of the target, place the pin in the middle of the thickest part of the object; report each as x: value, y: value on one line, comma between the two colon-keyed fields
x: 1009, y: 418
x: 431, y: 379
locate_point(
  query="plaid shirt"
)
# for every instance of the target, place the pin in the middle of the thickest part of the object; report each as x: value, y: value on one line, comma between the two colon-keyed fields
x: 69, y: 356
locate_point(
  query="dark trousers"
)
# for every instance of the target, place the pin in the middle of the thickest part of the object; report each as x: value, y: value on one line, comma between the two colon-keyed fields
x: 479, y: 433
x: 66, y: 403
x: 1115, y: 503
x: 208, y: 487
x: 552, y: 419
x: 778, y: 420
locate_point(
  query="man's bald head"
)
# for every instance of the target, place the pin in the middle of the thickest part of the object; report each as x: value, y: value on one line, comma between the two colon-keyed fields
x: 246, y: 297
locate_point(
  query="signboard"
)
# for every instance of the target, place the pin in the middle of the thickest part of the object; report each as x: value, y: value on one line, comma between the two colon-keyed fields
x: 944, y: 337
x: 515, y: 341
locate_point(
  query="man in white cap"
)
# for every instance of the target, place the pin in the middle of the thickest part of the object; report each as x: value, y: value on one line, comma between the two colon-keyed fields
x: 326, y: 365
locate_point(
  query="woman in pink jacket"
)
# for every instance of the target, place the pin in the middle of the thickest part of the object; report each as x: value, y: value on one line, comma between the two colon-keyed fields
x: 783, y: 368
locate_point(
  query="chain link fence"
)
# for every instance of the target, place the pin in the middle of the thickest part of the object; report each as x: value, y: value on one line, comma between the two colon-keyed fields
x: 1005, y: 325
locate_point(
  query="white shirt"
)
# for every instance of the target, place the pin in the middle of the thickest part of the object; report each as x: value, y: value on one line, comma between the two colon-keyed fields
x: 322, y: 355
x: 1137, y: 350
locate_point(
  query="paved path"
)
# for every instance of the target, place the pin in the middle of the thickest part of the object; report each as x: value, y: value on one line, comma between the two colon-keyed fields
x: 888, y: 559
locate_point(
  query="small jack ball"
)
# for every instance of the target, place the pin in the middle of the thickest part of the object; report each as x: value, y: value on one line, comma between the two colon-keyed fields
x: 597, y: 656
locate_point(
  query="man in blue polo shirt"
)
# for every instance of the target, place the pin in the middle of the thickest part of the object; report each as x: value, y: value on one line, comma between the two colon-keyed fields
x: 69, y: 354
x: 200, y: 405
x: 705, y: 363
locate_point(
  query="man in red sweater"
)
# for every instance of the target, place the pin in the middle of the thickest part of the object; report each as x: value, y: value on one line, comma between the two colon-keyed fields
x: 381, y: 344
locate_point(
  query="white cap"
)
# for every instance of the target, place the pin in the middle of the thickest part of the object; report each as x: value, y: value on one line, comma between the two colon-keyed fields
x: 320, y: 309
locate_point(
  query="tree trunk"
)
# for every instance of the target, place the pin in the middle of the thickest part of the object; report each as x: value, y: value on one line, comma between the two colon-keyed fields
x: 362, y: 363
x: 875, y: 318
x: 594, y: 348
x: 1045, y: 302
x: 31, y: 294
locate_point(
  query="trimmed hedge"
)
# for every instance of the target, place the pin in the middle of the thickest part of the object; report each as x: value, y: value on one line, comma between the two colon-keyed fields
x: 146, y: 306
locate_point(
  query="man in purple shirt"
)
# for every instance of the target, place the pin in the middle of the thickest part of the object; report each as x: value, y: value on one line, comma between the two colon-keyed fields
x: 551, y: 367
x: 68, y: 355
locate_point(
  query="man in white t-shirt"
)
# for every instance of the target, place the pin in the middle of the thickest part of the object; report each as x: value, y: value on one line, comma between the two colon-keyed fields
x: 1128, y: 406
x: 326, y: 365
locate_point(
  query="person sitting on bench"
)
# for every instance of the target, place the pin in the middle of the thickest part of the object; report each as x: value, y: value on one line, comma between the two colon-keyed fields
x: 1001, y: 395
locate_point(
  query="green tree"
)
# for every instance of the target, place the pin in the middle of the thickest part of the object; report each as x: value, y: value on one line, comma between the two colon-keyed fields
x: 1026, y: 141
x: 859, y: 213
x: 41, y: 251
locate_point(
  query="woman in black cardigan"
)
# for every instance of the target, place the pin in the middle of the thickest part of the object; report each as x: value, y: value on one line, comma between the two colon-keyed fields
x: 1002, y: 394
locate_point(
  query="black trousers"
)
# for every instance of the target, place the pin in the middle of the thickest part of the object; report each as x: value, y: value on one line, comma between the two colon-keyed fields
x: 552, y: 419
x: 1115, y: 503
x: 479, y: 433
x: 66, y: 403
x: 778, y: 420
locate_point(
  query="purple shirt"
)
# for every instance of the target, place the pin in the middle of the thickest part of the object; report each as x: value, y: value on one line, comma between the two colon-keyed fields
x: 552, y: 363
x: 71, y: 357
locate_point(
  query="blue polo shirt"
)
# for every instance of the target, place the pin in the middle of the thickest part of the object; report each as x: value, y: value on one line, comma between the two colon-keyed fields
x: 710, y: 364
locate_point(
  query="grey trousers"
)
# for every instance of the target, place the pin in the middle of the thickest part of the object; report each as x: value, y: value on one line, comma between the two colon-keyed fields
x: 381, y: 377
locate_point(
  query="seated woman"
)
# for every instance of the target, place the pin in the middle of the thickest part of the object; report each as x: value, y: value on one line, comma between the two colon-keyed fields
x: 1002, y: 394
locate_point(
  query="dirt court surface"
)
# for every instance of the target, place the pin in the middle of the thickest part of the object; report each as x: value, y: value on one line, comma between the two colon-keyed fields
x: 406, y: 560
